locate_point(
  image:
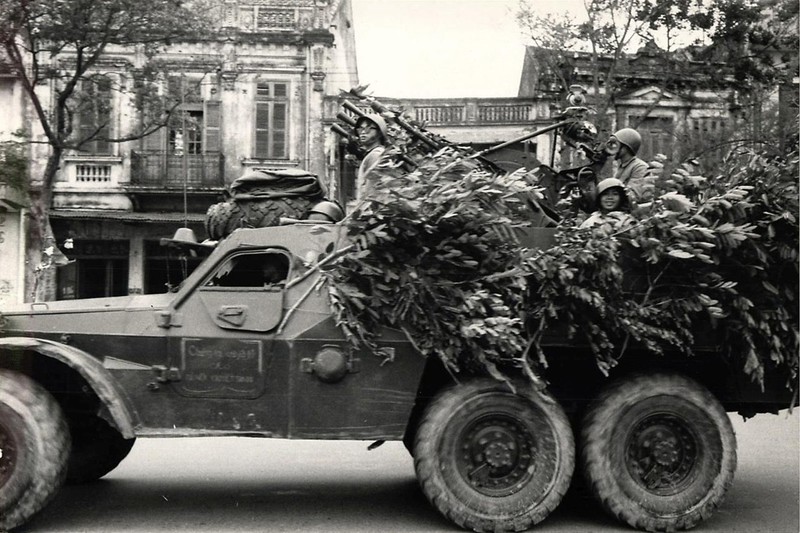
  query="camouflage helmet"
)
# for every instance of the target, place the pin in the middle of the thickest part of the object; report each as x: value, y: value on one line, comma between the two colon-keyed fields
x: 377, y: 121
x: 326, y: 210
x: 629, y: 137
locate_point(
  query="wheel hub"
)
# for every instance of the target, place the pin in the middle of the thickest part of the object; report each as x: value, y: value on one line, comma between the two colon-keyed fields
x: 661, y: 453
x: 497, y: 455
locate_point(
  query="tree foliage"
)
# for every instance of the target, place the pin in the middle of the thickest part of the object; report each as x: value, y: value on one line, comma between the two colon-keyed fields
x: 706, y: 264
x: 63, y: 45
x: 62, y: 53
x: 757, y: 43
x: 14, y: 163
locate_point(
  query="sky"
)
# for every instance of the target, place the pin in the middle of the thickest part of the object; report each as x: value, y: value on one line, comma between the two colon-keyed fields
x: 439, y: 48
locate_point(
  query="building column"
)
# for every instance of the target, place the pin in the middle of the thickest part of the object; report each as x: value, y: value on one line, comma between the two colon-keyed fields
x: 12, y: 257
x: 136, y: 265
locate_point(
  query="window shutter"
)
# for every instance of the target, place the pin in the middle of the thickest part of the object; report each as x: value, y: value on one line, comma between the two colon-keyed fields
x: 262, y: 130
x: 155, y: 141
x: 96, y: 113
x: 271, y: 124
x: 103, y: 114
x: 279, y: 131
x: 212, y: 126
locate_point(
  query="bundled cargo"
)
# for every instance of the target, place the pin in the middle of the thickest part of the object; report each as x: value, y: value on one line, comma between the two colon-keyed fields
x: 261, y: 197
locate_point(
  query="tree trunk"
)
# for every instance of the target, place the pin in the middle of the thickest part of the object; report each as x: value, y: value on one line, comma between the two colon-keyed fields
x: 40, y: 258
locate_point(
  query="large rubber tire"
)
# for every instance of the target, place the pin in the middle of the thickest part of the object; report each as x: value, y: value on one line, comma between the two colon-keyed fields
x: 223, y: 218
x: 658, y: 451
x: 492, y: 460
x: 97, y: 449
x: 265, y: 213
x: 34, y: 447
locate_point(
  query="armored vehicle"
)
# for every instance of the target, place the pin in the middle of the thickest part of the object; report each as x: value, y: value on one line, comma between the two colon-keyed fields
x: 248, y: 346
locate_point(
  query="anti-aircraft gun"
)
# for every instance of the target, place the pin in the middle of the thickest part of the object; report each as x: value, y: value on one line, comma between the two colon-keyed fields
x: 412, y: 141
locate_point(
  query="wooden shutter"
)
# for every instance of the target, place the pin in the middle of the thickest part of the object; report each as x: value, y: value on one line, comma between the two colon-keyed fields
x: 96, y: 112
x: 155, y: 142
x: 262, y: 129
x: 279, y: 130
x: 212, y: 126
x: 103, y: 116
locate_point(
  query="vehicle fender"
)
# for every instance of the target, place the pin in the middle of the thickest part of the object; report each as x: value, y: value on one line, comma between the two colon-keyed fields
x: 99, y: 379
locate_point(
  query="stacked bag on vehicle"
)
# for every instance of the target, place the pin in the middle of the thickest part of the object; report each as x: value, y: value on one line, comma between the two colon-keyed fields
x: 260, y: 198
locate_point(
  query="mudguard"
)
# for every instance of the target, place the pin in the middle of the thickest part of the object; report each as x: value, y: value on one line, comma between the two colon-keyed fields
x: 102, y: 382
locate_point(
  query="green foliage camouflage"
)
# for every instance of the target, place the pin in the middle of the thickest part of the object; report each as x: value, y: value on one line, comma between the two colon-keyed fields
x: 435, y: 254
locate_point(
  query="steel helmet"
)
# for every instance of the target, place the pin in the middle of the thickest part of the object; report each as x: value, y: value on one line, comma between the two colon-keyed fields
x: 630, y: 138
x: 378, y: 121
x: 326, y: 210
x: 609, y: 183
x: 613, y: 183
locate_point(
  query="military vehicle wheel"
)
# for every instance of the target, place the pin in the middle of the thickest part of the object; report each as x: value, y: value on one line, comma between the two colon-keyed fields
x: 658, y: 451
x: 492, y: 460
x: 97, y: 449
x: 34, y: 447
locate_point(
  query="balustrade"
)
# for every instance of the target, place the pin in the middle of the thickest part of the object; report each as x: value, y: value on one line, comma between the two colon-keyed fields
x: 93, y: 173
x: 159, y: 169
x: 504, y: 113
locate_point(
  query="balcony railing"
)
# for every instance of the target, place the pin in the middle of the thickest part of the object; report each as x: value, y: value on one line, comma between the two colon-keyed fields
x: 462, y: 111
x: 440, y: 114
x: 91, y: 171
x: 505, y: 113
x: 160, y: 169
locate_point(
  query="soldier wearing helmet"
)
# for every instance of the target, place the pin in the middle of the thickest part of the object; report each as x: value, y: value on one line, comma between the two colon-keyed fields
x: 630, y: 168
x: 372, y: 136
x: 611, y: 197
x: 326, y: 211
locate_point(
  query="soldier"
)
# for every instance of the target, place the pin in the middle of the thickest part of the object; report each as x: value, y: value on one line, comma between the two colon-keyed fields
x: 630, y: 166
x: 611, y: 197
x: 372, y: 135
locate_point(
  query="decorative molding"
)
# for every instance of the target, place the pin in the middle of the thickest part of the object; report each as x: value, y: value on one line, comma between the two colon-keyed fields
x: 319, y: 79
x: 228, y: 80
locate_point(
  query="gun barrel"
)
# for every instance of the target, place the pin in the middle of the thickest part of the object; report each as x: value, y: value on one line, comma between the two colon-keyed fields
x: 340, y: 131
x: 350, y: 106
x: 347, y: 119
x: 522, y: 138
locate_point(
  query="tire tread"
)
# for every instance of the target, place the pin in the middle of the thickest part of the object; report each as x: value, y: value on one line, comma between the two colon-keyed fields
x: 595, y: 461
x: 50, y: 461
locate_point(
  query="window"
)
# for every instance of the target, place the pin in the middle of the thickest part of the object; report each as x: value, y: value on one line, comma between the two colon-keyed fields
x: 165, y: 268
x: 657, y: 135
x: 262, y: 269
x: 94, y: 115
x: 272, y: 102
x: 100, y: 269
x: 194, y: 127
x: 186, y: 131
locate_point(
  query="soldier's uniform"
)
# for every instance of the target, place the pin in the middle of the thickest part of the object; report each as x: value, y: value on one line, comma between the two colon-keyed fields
x: 634, y: 169
x: 370, y: 161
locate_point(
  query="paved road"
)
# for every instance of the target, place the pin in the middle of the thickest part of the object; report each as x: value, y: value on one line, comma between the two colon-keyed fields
x: 253, y: 485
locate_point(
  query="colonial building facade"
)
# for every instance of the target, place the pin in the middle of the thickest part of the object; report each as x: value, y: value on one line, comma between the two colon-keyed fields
x: 252, y: 98
x: 686, y: 106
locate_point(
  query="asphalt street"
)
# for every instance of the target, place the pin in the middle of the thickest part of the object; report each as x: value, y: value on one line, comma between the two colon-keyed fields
x: 254, y: 485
